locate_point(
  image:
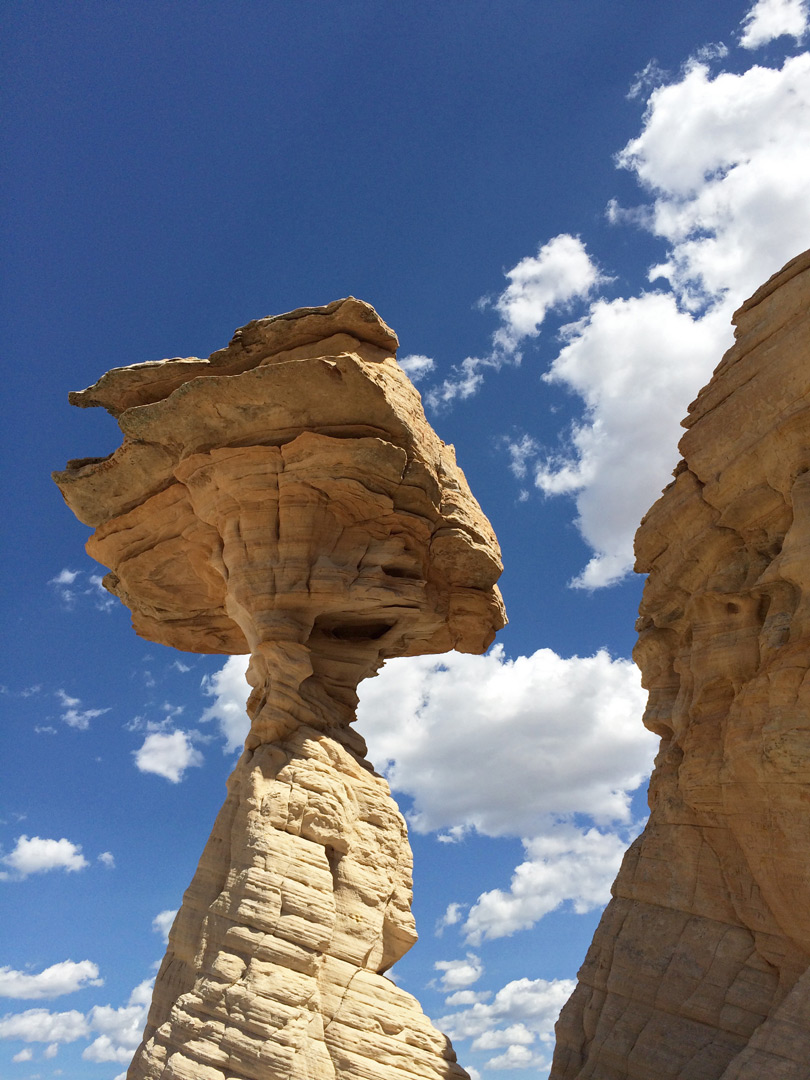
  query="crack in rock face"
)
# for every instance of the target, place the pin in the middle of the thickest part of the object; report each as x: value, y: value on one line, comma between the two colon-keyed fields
x: 700, y: 967
x: 287, y: 498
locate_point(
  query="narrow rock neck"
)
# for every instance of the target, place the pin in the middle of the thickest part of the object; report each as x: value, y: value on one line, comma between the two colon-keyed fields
x: 296, y: 683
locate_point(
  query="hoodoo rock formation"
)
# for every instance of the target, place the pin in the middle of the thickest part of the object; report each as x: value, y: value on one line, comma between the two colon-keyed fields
x: 287, y: 498
x: 700, y: 967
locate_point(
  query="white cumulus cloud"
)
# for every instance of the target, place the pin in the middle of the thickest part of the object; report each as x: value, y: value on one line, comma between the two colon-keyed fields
x: 120, y: 1030
x: 467, y: 997
x: 517, y: 1056
x: 521, y: 1015
x: 229, y: 689
x: 40, y: 1025
x: 513, y: 1035
x: 566, y: 863
x: 62, y: 978
x: 622, y: 452
x: 560, y: 272
x: 770, y: 19
x: 36, y: 855
x: 162, y: 922
x: 457, y: 974
x: 167, y: 755
x: 724, y: 160
x: 559, y: 737
x: 416, y: 367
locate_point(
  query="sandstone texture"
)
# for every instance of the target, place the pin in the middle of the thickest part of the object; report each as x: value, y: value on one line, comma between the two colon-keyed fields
x: 700, y: 967
x: 287, y: 498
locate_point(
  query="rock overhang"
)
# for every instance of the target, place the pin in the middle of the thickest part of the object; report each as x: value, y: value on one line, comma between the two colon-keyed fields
x: 315, y: 401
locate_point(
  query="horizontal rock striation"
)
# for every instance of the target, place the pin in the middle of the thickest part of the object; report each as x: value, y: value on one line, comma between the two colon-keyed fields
x: 287, y: 498
x: 700, y: 967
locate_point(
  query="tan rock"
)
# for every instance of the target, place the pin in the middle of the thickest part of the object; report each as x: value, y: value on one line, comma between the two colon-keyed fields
x: 288, y: 498
x: 700, y: 967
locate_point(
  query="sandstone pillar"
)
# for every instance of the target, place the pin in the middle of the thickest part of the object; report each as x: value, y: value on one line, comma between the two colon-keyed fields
x: 700, y: 967
x: 287, y: 498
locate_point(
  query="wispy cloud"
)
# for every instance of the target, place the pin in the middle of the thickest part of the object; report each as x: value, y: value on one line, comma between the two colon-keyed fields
x: 73, y: 585
x: 166, y: 723
x: 453, y: 915
x: 75, y: 717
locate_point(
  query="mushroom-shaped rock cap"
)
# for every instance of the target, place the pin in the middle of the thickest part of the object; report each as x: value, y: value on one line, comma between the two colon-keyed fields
x: 260, y: 342
x: 289, y: 486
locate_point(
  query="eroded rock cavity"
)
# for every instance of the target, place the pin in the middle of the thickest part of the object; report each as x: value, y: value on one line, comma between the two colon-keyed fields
x: 287, y: 498
x: 700, y: 967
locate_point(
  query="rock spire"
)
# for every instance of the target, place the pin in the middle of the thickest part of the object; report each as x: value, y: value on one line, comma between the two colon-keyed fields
x: 700, y: 967
x: 287, y: 498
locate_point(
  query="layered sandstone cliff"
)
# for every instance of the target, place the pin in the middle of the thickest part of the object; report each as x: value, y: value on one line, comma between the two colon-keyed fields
x: 288, y: 498
x: 700, y: 967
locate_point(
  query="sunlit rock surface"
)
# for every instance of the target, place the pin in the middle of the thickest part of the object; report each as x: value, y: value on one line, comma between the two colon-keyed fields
x: 700, y: 967
x: 288, y: 498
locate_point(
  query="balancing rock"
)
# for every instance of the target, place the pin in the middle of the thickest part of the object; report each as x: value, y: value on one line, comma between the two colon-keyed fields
x: 287, y: 498
x: 700, y: 967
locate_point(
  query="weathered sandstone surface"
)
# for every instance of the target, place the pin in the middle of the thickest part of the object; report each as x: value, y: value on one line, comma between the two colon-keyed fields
x: 288, y: 498
x: 700, y: 967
